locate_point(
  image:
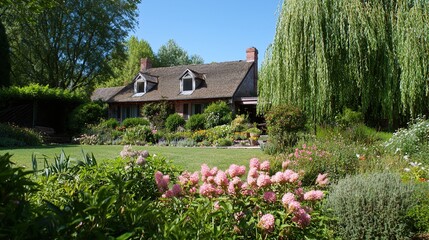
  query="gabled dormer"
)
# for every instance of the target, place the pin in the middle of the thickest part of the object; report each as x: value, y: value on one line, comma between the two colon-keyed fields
x: 190, y: 81
x: 143, y: 83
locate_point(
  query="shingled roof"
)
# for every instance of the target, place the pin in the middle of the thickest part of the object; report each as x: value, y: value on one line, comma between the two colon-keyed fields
x: 104, y: 94
x: 221, y: 80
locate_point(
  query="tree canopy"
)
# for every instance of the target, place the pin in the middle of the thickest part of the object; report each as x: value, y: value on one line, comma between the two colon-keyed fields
x: 68, y: 44
x: 367, y: 55
x: 171, y: 54
x: 4, y: 58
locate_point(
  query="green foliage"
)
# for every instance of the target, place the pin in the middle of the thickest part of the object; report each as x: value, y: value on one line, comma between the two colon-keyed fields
x: 217, y: 113
x: 15, y: 209
x: 76, y: 48
x: 157, y: 113
x: 372, y: 206
x: 5, y: 59
x: 172, y: 54
x: 174, y: 121
x: 111, y: 123
x: 36, y: 92
x: 87, y: 113
x: 412, y: 140
x: 223, y: 142
x: 13, y: 136
x: 134, y: 122
x: 139, y: 135
x: 349, y: 118
x: 196, y: 122
x: 419, y: 212
x: 240, y: 123
x: 284, y: 122
x: 345, y: 63
x: 102, y: 201
x: 218, y: 132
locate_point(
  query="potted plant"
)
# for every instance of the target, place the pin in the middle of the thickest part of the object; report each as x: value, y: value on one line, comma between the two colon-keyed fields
x: 254, y: 132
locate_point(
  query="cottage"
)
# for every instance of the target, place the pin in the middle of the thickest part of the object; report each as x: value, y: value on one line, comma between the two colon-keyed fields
x: 189, y: 88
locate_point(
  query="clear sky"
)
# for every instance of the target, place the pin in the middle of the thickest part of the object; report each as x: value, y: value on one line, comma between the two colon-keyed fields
x: 217, y: 30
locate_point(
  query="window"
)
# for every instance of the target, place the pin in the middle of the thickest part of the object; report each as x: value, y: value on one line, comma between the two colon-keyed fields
x: 187, y: 84
x: 197, y: 108
x: 185, y: 111
x: 139, y: 87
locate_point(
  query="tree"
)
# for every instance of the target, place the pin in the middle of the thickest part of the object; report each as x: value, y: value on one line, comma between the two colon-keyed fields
x: 126, y: 66
x: 172, y: 54
x: 69, y: 44
x: 4, y: 58
x: 366, y: 55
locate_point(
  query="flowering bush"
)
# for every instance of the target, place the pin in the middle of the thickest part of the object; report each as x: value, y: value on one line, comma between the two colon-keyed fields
x: 257, y: 205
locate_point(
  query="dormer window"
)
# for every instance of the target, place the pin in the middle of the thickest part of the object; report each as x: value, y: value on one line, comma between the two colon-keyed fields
x: 139, y: 87
x: 189, y: 81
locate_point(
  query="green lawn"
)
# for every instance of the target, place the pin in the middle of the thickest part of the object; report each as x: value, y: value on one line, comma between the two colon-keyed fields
x: 186, y: 158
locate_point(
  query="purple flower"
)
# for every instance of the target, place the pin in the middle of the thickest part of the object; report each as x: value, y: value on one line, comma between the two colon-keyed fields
x: 301, y: 217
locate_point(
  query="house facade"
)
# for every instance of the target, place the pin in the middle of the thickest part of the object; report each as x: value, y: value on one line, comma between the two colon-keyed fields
x: 189, y: 88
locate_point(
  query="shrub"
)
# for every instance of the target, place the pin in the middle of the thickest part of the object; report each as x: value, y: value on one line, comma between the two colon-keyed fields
x: 110, y: 123
x: 15, y: 209
x: 138, y: 135
x: 218, y: 113
x: 218, y: 132
x: 349, y: 118
x: 412, y: 140
x: 199, y: 136
x: 419, y: 213
x: 133, y: 122
x: 157, y: 113
x: 223, y: 142
x: 174, y: 121
x: 240, y: 123
x: 196, y: 122
x: 372, y: 206
x: 12, y: 136
x: 283, y: 124
x: 87, y: 113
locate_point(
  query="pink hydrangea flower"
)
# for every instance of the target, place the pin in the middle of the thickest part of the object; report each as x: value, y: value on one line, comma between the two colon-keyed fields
x: 194, y: 178
x: 141, y: 161
x: 221, y: 179
x: 322, y: 180
x: 231, y: 188
x: 278, y: 178
x: 265, y: 166
x: 291, y: 176
x: 251, y: 181
x: 205, y: 171
x: 294, y: 206
x: 253, y: 172
x: 313, y: 195
x: 263, y: 180
x: 184, y: 178
x: 236, y: 171
x: 288, y: 198
x: 162, y: 181
x: 267, y: 222
x: 299, y: 192
x: 207, y: 190
x: 177, y: 190
x: 168, y: 194
x: 254, y: 163
x: 301, y: 217
x: 270, y: 197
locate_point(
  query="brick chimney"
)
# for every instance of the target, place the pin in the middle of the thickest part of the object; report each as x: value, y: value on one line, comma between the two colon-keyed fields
x: 145, y: 64
x: 252, y: 54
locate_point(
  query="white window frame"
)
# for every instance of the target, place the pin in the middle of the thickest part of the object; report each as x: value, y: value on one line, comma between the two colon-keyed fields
x: 187, y: 77
x: 136, y: 87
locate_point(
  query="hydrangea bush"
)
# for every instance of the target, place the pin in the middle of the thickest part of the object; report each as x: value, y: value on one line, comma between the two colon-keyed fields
x: 250, y: 204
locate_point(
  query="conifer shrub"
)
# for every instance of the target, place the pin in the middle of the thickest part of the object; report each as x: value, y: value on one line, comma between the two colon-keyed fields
x: 372, y: 206
x: 174, y: 121
x: 133, y: 122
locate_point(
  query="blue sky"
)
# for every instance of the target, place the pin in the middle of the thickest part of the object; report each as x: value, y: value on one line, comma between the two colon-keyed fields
x: 218, y: 31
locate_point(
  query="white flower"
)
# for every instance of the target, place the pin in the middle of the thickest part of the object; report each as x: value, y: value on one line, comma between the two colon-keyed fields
x: 407, y: 169
x: 415, y: 164
x: 357, y: 155
x: 406, y: 157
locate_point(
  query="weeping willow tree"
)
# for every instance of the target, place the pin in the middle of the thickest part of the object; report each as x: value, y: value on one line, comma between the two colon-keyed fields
x: 371, y: 55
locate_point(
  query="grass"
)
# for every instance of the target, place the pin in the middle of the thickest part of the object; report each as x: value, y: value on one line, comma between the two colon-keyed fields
x: 187, y: 158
